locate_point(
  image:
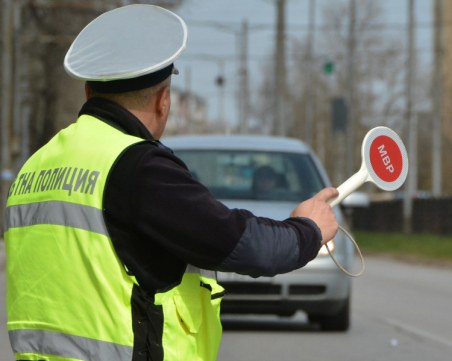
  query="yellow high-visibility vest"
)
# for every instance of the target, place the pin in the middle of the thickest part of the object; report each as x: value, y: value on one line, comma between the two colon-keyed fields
x: 68, y: 294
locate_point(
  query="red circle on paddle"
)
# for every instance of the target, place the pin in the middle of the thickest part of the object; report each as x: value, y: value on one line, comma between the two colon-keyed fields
x: 386, y: 158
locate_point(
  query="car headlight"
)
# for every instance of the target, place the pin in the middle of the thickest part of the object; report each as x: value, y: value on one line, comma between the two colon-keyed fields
x: 324, y: 252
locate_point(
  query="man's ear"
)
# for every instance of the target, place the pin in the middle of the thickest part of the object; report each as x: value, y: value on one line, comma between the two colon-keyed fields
x: 88, y: 91
x: 163, y: 102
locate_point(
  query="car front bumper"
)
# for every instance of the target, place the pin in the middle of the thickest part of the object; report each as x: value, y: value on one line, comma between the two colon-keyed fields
x: 319, y: 288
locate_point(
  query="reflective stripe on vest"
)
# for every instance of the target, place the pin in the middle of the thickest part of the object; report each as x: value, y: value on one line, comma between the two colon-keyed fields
x: 57, y: 213
x: 53, y: 343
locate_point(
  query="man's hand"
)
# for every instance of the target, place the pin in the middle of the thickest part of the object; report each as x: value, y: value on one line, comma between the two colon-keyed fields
x: 318, y: 209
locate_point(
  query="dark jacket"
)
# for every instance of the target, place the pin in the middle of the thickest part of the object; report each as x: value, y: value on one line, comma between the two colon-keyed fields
x: 160, y: 219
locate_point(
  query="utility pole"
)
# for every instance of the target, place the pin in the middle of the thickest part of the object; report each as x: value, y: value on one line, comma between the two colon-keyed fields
x: 188, y: 121
x: 351, y: 88
x: 22, y: 106
x: 437, y: 94
x: 220, y: 80
x: 6, y: 103
x: 279, y: 120
x: 410, y: 123
x: 320, y: 125
x: 244, y: 80
x: 309, y: 107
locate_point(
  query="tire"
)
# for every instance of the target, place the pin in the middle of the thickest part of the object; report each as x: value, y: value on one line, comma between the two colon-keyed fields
x: 337, y: 322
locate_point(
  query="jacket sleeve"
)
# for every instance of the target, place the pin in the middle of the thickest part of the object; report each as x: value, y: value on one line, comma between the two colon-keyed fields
x: 159, y: 201
x: 267, y: 248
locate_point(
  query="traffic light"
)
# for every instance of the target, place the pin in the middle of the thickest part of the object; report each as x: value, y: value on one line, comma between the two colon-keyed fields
x: 219, y: 80
x: 328, y: 67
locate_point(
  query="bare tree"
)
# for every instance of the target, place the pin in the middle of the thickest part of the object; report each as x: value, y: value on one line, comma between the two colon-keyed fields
x: 379, y: 62
x: 49, y: 98
x: 378, y: 75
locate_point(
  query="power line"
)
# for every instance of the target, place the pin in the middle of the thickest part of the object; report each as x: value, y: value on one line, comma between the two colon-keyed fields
x: 232, y: 26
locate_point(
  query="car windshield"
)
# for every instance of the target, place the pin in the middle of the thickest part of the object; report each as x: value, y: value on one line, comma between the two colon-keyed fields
x: 259, y: 175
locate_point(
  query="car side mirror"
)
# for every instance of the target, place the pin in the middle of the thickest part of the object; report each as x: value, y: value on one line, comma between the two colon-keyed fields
x: 356, y: 200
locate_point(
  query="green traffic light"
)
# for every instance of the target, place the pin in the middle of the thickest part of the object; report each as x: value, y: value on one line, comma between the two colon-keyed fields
x: 328, y: 67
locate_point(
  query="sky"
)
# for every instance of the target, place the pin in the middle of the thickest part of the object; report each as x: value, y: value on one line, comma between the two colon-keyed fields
x: 214, y: 25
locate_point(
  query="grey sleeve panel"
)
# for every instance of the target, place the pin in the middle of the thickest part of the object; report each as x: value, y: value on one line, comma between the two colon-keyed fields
x: 266, y: 249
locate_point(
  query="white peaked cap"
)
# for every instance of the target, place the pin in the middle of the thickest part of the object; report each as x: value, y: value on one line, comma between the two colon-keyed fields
x: 127, y: 43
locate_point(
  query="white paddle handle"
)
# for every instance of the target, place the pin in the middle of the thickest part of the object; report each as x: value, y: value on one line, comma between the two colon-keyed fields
x: 350, y: 185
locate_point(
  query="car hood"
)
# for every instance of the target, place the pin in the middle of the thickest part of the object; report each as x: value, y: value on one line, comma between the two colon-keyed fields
x: 270, y: 209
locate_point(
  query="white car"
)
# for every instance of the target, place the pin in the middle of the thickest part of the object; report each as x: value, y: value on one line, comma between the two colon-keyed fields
x: 229, y: 166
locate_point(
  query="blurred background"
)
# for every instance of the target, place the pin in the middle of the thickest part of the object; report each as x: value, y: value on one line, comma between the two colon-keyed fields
x: 322, y: 71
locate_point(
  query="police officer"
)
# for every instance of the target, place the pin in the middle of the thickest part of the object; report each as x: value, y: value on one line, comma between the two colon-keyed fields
x: 111, y: 244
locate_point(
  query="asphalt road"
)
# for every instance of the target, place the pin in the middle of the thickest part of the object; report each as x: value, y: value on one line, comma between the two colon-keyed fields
x: 400, y: 312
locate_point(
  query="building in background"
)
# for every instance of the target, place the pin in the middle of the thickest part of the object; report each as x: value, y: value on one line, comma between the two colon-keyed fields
x: 188, y: 114
x: 446, y: 103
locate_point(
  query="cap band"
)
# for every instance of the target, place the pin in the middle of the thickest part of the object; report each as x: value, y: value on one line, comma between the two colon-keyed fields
x: 127, y: 85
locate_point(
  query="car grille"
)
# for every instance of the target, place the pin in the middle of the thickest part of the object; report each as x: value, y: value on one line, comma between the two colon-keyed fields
x: 269, y: 289
x: 306, y: 290
x: 251, y: 288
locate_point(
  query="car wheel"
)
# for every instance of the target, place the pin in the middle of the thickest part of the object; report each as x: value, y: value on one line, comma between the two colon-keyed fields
x: 337, y: 322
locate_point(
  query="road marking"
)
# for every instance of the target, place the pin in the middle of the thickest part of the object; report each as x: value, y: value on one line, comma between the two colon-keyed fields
x: 418, y: 332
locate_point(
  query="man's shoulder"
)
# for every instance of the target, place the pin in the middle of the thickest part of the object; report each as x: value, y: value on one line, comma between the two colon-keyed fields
x: 146, y: 155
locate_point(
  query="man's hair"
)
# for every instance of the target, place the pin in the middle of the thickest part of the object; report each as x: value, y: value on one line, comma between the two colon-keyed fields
x: 136, y: 99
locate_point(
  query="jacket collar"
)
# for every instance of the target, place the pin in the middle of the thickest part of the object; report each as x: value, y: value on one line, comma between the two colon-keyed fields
x: 116, y: 116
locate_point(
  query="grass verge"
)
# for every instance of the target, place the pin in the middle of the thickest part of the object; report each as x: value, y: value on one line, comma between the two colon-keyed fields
x: 424, y: 248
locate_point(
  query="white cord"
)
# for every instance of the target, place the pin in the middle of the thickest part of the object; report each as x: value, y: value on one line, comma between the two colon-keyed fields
x: 363, y: 267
